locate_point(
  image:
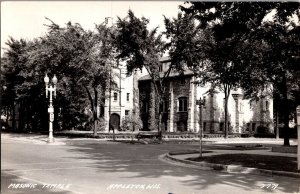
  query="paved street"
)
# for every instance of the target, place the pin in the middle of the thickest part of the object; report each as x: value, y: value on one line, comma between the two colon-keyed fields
x: 92, y: 166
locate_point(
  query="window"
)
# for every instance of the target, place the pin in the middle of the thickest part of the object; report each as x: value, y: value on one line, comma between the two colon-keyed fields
x: 253, y: 127
x: 182, y: 104
x: 144, y: 107
x: 248, y: 127
x: 164, y: 106
x: 221, y: 126
x: 182, y: 82
x: 115, y: 96
x: 160, y: 68
x: 267, y: 106
x: 126, y: 112
x: 204, y: 126
x: 127, y: 97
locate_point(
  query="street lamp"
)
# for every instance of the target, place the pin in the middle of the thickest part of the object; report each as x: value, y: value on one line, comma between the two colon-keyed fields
x: 201, y: 103
x: 51, y: 89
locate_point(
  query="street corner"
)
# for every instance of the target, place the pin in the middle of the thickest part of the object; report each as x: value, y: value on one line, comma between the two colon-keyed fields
x: 183, y: 159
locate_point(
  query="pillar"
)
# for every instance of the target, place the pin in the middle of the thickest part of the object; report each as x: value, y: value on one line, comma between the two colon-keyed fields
x: 191, y: 116
x: 171, y: 109
x: 238, y: 120
x: 196, y: 116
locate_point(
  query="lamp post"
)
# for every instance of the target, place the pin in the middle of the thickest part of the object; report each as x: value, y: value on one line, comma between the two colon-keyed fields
x: 201, y: 103
x: 51, y: 88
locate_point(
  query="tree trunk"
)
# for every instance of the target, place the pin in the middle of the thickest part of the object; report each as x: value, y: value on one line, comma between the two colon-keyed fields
x: 95, y: 116
x: 226, y: 116
x: 158, y: 119
x: 277, y: 124
x: 227, y: 93
x: 159, y: 126
x: 13, y: 117
x: 93, y: 111
x: 285, y: 112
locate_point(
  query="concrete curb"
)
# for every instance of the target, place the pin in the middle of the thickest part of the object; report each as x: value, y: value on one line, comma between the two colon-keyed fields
x: 231, y: 168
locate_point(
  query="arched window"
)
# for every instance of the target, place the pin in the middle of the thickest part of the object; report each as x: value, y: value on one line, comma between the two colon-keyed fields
x: 182, y: 104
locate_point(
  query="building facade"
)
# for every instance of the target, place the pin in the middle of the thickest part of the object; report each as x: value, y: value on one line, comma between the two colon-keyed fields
x: 123, y: 97
x: 181, y: 114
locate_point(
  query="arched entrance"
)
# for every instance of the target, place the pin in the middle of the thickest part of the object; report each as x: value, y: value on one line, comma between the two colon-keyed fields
x: 114, y: 121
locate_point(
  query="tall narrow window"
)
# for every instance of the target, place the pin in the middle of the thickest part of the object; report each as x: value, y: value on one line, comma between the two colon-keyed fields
x: 115, y: 96
x: 164, y: 106
x: 182, y: 104
x: 160, y: 68
x: 144, y: 107
x: 126, y: 112
x: 221, y: 126
x: 127, y: 97
x: 267, y: 105
x: 253, y: 127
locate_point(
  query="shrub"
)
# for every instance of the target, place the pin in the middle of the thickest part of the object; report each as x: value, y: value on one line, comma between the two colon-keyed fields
x: 131, y: 123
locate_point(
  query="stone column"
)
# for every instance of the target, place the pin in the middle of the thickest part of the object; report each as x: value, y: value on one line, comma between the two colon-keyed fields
x: 191, y: 107
x: 237, y: 97
x: 171, y: 109
x: 196, y: 116
x: 213, y: 128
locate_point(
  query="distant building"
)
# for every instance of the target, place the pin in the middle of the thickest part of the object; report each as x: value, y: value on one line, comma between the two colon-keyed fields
x: 180, y: 112
x: 123, y: 99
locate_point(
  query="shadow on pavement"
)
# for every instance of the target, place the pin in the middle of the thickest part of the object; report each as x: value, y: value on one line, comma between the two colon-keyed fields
x: 141, y: 162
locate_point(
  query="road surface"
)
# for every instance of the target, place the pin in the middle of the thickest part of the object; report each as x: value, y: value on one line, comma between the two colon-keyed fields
x: 92, y: 166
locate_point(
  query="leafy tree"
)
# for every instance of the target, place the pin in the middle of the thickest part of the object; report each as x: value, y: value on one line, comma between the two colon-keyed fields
x: 17, y: 73
x: 141, y: 47
x: 275, y: 60
x: 227, y: 28
x: 79, y: 58
x: 82, y: 57
x: 11, y: 66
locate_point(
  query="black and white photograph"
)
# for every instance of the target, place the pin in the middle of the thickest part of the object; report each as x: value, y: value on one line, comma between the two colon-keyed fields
x: 155, y: 97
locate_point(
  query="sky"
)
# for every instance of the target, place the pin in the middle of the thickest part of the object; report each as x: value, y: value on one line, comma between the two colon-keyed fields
x: 26, y: 19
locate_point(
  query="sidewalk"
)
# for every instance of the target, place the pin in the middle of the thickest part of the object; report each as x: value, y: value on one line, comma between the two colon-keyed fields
x: 181, y: 159
x: 63, y: 135
x: 33, y: 138
x: 88, y: 134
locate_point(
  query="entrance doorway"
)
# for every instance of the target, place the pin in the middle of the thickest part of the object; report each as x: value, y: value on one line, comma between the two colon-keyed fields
x: 114, y: 121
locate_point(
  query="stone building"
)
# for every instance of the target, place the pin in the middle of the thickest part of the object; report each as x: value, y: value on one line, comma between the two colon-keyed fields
x: 180, y: 112
x: 123, y: 99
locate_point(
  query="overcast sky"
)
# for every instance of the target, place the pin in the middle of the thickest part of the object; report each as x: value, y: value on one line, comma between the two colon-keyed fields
x: 25, y: 19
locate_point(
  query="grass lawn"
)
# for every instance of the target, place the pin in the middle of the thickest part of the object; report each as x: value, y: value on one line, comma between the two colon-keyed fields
x: 278, y: 163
